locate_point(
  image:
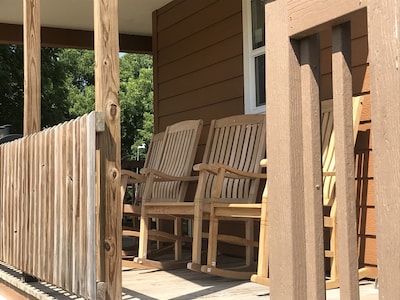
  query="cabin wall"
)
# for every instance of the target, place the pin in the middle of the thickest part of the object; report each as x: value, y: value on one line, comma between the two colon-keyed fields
x: 198, y: 55
x: 198, y: 73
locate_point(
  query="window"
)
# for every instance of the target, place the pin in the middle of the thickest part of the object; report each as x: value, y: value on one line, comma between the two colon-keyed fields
x: 254, y: 55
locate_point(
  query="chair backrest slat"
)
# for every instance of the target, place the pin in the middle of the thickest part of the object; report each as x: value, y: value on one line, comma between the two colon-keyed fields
x: 328, y: 144
x: 239, y: 142
x: 180, y: 146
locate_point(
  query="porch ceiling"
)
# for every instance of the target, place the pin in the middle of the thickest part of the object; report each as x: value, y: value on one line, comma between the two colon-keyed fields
x: 134, y: 15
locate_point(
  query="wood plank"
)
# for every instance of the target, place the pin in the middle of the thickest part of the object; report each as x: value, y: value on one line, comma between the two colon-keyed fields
x: 344, y: 155
x: 89, y: 194
x: 384, y: 43
x: 304, y: 15
x: 32, y: 94
x: 285, y: 155
x: 228, y: 48
x: 198, y: 21
x: 311, y: 113
x: 109, y: 143
x: 201, y: 40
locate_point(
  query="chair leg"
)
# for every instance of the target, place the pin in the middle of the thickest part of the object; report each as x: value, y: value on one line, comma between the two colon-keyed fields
x: 197, y: 235
x: 212, y: 242
x: 249, y: 236
x: 178, y: 241
x: 143, y: 236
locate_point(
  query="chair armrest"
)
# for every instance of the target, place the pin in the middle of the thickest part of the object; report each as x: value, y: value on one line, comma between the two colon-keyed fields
x: 160, y: 176
x: 132, y: 176
x: 238, y: 174
x: 205, y: 167
x: 263, y: 163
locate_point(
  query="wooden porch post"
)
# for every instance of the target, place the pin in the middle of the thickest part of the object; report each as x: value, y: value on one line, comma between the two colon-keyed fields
x: 384, y: 55
x: 344, y: 154
x: 313, y: 190
x: 109, y: 146
x: 285, y: 157
x: 31, y: 66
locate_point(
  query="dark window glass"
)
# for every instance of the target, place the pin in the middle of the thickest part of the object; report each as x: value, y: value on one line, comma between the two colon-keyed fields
x: 257, y: 23
x: 260, y: 79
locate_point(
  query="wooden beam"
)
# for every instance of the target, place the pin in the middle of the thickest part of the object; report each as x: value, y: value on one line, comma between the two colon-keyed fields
x: 384, y: 55
x: 311, y: 113
x: 109, y: 146
x: 304, y: 15
x: 72, y: 38
x: 32, y: 99
x: 344, y: 155
x: 285, y: 157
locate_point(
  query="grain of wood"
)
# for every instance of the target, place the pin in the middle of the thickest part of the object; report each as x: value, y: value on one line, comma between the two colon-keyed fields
x: 285, y: 157
x: 109, y: 144
x: 311, y: 114
x: 384, y: 45
x: 344, y: 154
x: 32, y: 92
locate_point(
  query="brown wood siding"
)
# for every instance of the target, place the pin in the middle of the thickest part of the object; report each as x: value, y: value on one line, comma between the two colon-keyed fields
x: 199, y: 55
x: 363, y: 150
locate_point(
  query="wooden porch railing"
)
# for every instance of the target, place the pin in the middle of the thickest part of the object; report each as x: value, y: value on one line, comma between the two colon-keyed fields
x: 47, y: 205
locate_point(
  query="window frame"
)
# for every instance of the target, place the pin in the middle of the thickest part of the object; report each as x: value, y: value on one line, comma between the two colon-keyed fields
x: 249, y: 56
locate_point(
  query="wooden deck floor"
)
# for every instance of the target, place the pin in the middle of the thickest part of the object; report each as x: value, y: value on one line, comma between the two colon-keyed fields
x: 149, y: 284
x: 184, y: 284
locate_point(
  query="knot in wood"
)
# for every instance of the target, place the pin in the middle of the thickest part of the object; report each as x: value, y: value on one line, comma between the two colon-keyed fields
x: 114, y: 173
x: 107, y: 246
x: 113, y: 109
x: 317, y: 187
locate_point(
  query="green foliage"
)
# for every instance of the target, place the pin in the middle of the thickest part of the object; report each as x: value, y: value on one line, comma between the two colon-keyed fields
x: 68, y: 91
x: 54, y: 108
x: 136, y: 100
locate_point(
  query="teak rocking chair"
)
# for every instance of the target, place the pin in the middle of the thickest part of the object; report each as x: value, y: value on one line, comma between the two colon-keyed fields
x: 233, y: 142
x: 228, y: 184
x: 129, y: 178
x: 165, y: 188
x: 329, y: 198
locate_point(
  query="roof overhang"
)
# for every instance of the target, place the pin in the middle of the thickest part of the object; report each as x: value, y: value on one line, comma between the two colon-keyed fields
x: 69, y: 23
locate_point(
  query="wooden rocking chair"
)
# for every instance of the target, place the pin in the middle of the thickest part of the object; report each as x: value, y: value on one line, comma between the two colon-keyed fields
x: 136, y: 181
x: 229, y: 179
x: 233, y: 142
x: 329, y: 198
x: 165, y: 187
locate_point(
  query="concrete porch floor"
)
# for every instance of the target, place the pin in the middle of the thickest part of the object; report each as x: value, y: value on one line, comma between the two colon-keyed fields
x: 149, y: 284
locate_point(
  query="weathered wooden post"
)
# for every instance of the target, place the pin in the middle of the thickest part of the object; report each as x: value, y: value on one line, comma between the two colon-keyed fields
x: 285, y: 157
x: 109, y: 147
x: 384, y: 55
x: 31, y: 66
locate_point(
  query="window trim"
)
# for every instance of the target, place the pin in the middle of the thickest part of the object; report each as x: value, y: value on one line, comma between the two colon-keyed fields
x: 248, y: 62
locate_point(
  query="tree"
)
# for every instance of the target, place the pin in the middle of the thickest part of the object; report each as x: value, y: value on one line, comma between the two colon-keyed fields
x: 136, y: 94
x: 68, y: 91
x: 54, y: 107
x: 136, y: 100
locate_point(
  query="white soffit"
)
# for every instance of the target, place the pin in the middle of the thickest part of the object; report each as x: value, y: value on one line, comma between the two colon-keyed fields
x: 135, y: 16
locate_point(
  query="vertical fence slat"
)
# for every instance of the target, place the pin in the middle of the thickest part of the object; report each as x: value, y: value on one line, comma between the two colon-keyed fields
x: 51, y: 199
x: 344, y: 152
x: 384, y: 55
x: 88, y: 186
x: 2, y: 176
x: 57, y: 204
x: 311, y: 112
